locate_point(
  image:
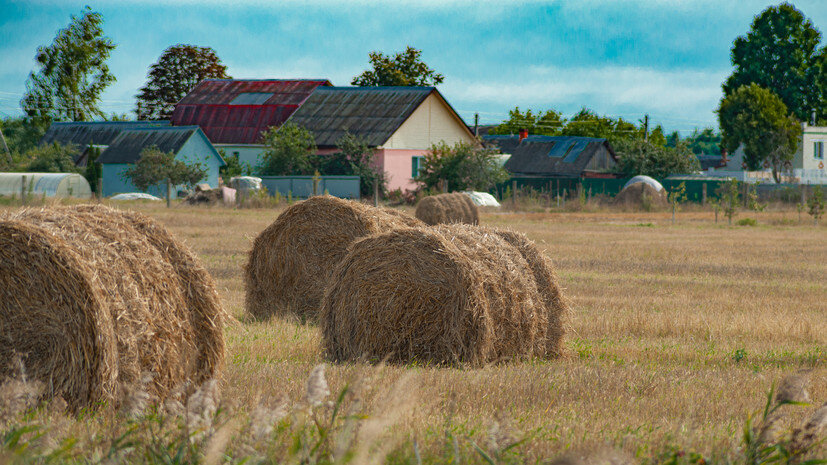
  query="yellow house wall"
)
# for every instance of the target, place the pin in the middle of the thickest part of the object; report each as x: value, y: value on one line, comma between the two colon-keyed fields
x: 430, y: 123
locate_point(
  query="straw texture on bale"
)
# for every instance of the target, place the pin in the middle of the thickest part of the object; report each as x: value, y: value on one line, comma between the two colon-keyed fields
x: 633, y: 196
x: 451, y: 294
x: 98, y: 298
x: 291, y: 259
x: 555, y: 304
x: 448, y: 208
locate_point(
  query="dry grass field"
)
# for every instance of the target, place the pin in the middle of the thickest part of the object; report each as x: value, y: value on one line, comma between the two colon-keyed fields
x: 676, y: 334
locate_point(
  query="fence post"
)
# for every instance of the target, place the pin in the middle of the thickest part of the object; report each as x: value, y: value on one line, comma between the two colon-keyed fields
x: 375, y: 193
x: 169, y: 193
x: 23, y: 191
x: 703, y: 194
x: 557, y: 192
x: 100, y: 189
x: 514, y: 193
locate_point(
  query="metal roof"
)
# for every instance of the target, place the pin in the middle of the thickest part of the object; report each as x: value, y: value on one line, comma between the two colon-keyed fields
x: 235, y: 111
x: 549, y: 155
x: 98, y: 133
x: 373, y: 113
x: 127, y: 147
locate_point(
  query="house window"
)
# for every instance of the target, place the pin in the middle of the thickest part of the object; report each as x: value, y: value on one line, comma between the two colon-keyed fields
x: 416, y: 165
x: 818, y: 150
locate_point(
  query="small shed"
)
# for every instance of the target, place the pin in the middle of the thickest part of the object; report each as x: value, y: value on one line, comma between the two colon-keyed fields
x: 555, y: 156
x: 49, y: 184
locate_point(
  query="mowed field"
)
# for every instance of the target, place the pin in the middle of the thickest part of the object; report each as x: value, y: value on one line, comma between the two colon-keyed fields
x: 676, y: 333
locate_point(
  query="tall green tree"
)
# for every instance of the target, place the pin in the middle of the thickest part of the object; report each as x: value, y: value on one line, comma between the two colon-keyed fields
x: 52, y: 158
x: 287, y: 151
x: 72, y: 72
x: 179, y: 69
x: 781, y: 53
x: 758, y: 119
x: 403, y: 69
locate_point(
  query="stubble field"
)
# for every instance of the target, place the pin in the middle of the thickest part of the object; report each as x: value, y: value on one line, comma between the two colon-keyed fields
x: 676, y: 334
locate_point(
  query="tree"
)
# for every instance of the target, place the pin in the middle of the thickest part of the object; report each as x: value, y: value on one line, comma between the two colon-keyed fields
x: 287, y: 151
x: 73, y: 72
x: 639, y: 157
x: 154, y: 167
x: 548, y: 123
x: 94, y: 170
x: 179, y: 69
x: 780, y: 53
x: 403, y: 69
x: 729, y: 194
x: 816, y: 204
x: 54, y: 158
x: 701, y: 142
x: 758, y: 119
x: 22, y: 134
x: 463, y: 167
x: 354, y: 158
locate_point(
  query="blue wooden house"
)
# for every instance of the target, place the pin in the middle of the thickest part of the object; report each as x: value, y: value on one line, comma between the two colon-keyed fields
x: 188, y: 143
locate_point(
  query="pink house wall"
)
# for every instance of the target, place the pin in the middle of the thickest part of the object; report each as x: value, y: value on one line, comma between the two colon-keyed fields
x: 395, y: 162
x: 397, y: 166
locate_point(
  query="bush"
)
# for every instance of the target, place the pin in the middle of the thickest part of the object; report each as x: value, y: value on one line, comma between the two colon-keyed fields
x: 463, y: 167
x: 287, y: 151
x: 54, y: 158
x: 747, y: 222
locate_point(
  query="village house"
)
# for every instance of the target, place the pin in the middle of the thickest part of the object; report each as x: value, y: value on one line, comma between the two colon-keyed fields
x: 234, y: 112
x: 399, y: 123
x: 555, y: 156
x: 188, y: 143
x: 86, y: 135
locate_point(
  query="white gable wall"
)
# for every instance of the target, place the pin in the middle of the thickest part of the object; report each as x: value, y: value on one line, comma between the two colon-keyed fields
x: 432, y: 122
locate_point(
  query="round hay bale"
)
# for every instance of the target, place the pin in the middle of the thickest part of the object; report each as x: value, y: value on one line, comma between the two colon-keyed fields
x: 448, y: 208
x: 135, y: 305
x: 546, y: 280
x: 452, y: 294
x: 641, y: 195
x: 291, y: 259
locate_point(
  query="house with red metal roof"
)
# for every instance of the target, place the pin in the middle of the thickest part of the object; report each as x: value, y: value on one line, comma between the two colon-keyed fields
x: 234, y: 112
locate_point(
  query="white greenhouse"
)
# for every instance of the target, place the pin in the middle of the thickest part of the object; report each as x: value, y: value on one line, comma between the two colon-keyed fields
x: 48, y: 184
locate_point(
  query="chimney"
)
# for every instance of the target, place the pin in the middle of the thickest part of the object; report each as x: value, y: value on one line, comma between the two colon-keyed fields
x: 813, y: 117
x: 523, y: 134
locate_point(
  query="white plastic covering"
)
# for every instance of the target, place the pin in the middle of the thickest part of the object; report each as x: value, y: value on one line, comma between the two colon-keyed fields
x: 134, y: 196
x: 483, y: 199
x: 640, y: 178
x: 50, y: 184
x: 245, y: 183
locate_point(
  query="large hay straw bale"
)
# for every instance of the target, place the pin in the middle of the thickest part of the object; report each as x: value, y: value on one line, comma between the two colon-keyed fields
x: 547, y: 283
x: 140, y: 315
x: 639, y: 194
x: 291, y: 259
x: 447, y: 208
x: 451, y: 294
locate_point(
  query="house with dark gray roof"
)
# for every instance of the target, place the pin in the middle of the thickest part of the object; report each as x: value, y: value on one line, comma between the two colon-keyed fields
x: 188, y: 143
x: 399, y: 123
x: 556, y: 156
x: 97, y: 134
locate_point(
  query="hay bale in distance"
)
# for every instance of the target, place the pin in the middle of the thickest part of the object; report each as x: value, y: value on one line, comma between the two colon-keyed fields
x: 91, y: 304
x: 289, y: 263
x: 452, y: 294
x: 639, y: 195
x: 448, y: 208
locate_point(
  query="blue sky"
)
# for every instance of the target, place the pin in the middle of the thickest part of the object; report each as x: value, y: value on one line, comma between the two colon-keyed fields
x: 620, y: 58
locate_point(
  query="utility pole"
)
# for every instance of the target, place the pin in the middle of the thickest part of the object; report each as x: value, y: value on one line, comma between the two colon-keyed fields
x: 646, y: 128
x: 477, y: 124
